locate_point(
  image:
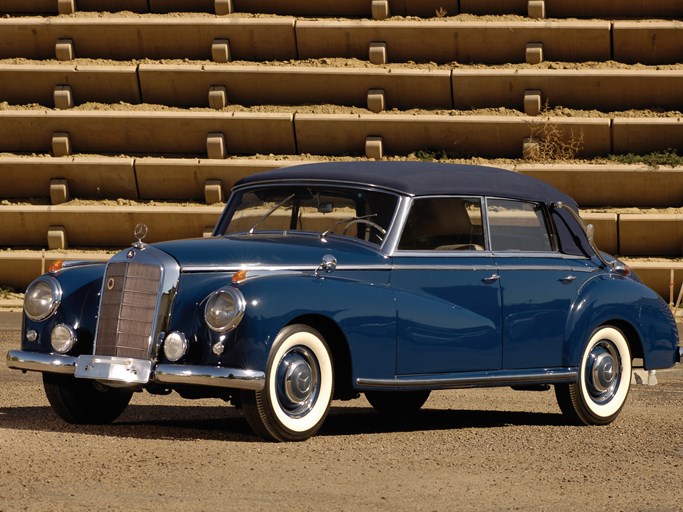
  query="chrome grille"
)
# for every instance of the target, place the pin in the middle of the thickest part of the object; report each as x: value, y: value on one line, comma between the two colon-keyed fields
x: 127, y: 310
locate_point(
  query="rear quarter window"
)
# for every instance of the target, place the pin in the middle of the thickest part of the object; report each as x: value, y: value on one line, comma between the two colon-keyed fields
x: 517, y: 226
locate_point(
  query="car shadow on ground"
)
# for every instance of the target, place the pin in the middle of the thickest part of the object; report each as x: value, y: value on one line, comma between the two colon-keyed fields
x: 228, y: 424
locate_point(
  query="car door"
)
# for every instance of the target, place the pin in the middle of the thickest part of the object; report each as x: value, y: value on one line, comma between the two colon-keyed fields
x: 447, y: 290
x: 538, y: 283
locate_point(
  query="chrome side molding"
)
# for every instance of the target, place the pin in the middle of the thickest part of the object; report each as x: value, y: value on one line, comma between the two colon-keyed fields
x: 474, y: 379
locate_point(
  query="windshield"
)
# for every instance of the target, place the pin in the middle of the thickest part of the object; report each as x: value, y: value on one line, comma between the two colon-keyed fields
x: 349, y: 212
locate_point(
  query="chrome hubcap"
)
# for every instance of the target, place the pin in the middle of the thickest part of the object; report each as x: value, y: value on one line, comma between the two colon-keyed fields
x: 298, y: 382
x: 603, y: 370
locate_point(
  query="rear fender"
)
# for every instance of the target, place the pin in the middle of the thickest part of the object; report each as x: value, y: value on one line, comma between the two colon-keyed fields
x: 636, y: 309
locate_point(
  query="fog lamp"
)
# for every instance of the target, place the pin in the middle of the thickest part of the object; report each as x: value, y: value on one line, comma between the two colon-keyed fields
x: 62, y: 338
x: 175, y: 346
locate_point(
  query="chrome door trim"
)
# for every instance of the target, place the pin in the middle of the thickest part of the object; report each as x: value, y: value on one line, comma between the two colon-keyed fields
x: 473, y: 379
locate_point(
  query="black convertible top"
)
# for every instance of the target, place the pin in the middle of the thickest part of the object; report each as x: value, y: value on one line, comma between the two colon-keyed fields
x: 419, y: 179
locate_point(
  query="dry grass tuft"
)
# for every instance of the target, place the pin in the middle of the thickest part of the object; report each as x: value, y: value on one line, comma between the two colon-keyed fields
x: 553, y: 143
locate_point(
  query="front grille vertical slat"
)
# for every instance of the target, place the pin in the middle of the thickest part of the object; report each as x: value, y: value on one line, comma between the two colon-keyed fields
x: 127, y: 311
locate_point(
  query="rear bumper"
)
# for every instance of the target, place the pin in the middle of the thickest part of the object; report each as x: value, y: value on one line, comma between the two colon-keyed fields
x: 211, y: 376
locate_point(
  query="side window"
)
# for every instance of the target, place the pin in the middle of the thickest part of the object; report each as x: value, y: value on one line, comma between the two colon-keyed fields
x: 443, y: 224
x: 517, y: 226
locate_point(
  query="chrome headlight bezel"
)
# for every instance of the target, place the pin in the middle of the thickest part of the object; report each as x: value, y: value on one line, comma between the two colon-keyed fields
x: 228, y: 301
x: 39, y: 307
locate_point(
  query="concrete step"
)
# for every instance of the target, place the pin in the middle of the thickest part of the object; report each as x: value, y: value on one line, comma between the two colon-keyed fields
x: 191, y: 85
x: 63, y: 226
x: 185, y: 179
x: 362, y: 8
x: 63, y: 132
x: 155, y: 37
x: 109, y: 225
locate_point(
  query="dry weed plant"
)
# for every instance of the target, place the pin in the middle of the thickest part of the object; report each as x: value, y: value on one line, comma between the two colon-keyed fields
x: 553, y: 144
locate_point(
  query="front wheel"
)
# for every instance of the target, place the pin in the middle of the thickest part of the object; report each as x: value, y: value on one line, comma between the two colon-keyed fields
x: 298, y: 391
x: 604, y: 379
x: 84, y: 401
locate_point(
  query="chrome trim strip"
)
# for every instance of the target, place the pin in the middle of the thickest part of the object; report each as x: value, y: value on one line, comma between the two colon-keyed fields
x: 317, y: 182
x: 287, y: 269
x: 399, y: 266
x: 445, y: 267
x: 433, y: 254
x: 390, y: 244
x: 537, y: 254
x: 214, y: 376
x: 474, y: 379
x: 566, y: 268
x: 40, y: 362
x: 81, y: 263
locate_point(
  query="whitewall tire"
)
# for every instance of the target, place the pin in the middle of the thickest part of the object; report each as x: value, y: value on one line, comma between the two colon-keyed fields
x: 298, y: 390
x: 604, y: 379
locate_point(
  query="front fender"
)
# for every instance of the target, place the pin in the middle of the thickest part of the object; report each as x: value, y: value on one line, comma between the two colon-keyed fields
x: 621, y: 301
x: 362, y: 307
x: 80, y: 301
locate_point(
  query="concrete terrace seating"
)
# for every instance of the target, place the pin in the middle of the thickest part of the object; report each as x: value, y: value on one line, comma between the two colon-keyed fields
x: 442, y: 41
x: 122, y: 38
x: 63, y: 132
x: 168, y: 116
x: 188, y: 85
x: 361, y: 8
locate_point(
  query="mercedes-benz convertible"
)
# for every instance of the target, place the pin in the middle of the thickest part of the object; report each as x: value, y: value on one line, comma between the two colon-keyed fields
x: 328, y: 281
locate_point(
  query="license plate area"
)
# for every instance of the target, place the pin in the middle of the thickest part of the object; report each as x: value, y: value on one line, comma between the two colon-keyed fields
x: 114, y: 369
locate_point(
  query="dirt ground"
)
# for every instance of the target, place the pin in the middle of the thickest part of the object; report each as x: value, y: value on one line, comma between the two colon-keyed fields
x: 473, y: 450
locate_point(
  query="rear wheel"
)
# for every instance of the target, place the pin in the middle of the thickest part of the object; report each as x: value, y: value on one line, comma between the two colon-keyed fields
x: 604, y: 378
x: 299, y: 384
x: 397, y: 402
x: 84, y: 401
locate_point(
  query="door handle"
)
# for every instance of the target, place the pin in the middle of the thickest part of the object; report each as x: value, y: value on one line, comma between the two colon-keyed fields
x: 492, y: 278
x: 568, y: 279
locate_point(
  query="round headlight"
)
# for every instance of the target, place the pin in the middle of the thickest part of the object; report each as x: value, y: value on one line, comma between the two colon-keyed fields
x: 42, y: 298
x: 62, y: 338
x: 224, y: 310
x: 175, y: 346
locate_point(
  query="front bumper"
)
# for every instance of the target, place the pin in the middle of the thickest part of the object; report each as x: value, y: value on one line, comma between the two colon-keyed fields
x: 211, y: 376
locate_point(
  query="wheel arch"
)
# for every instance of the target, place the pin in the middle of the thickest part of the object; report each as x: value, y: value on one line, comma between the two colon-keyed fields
x: 341, y: 355
x: 633, y: 338
x: 622, y: 303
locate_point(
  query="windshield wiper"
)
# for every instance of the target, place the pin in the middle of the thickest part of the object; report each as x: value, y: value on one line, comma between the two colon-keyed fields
x: 270, y: 212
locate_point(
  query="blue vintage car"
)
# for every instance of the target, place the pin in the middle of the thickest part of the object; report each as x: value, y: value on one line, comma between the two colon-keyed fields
x: 325, y: 281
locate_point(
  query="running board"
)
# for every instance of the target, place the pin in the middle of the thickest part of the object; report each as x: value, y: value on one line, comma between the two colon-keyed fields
x: 473, y: 379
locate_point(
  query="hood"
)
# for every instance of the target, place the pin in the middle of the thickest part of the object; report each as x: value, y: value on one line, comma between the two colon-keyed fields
x: 260, y: 250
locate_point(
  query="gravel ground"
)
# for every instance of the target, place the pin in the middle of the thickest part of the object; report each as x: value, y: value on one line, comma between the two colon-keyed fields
x: 493, y: 449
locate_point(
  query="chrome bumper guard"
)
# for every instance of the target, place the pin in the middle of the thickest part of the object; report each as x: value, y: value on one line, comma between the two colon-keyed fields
x: 213, y: 376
